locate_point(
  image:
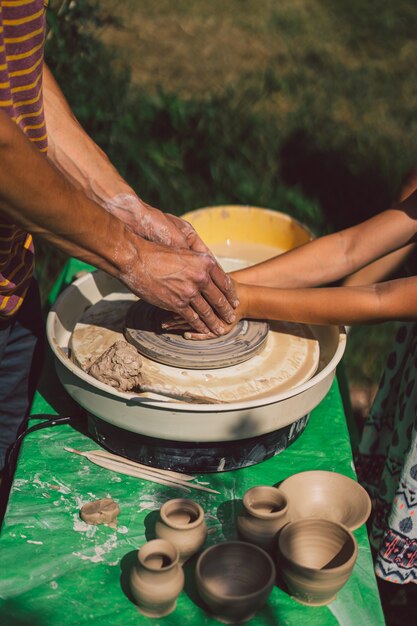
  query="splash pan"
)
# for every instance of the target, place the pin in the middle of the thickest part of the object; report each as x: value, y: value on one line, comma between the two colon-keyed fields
x: 264, y: 411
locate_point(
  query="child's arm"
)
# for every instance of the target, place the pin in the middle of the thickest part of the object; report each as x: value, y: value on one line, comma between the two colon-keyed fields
x: 280, y: 288
x: 335, y: 256
x: 393, y: 300
x: 384, y: 268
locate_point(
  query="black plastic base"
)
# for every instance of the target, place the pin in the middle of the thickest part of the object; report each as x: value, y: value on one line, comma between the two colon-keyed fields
x: 207, y: 457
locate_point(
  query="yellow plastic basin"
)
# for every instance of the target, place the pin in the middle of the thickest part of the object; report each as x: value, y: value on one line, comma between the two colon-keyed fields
x: 224, y: 227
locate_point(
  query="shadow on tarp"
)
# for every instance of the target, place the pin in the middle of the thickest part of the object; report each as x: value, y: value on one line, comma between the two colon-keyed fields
x: 190, y: 585
x: 127, y: 563
x: 14, y: 613
x: 227, y: 514
x: 268, y: 614
x: 150, y: 523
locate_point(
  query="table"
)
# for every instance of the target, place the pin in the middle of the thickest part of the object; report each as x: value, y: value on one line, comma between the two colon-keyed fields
x: 58, y: 571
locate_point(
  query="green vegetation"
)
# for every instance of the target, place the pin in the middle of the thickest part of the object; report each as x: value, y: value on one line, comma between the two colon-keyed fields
x: 306, y: 106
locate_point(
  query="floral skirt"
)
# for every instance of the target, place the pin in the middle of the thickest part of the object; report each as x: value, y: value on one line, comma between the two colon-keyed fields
x: 386, y: 463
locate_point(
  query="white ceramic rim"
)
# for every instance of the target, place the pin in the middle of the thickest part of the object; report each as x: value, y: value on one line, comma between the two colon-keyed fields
x: 182, y: 406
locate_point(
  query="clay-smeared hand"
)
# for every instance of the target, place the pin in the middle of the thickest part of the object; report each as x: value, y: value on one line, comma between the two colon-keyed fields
x: 176, y: 322
x: 154, y: 225
x: 213, y: 306
x: 188, y: 283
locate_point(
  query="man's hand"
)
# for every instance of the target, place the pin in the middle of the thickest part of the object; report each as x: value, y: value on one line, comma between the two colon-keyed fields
x: 86, y: 166
x: 177, y: 322
x: 188, y: 283
x: 161, y: 228
x: 152, y: 224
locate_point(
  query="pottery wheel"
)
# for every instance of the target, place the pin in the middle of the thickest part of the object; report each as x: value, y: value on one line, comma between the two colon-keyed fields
x: 143, y: 330
x: 289, y: 357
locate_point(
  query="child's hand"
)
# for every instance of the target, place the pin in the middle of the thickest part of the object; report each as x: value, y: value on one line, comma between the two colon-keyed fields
x: 176, y: 322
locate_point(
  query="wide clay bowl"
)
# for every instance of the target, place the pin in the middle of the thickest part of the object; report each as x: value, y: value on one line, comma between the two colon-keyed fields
x: 234, y: 579
x: 315, y: 559
x: 327, y: 495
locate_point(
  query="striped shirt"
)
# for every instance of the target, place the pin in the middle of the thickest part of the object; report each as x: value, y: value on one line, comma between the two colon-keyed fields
x: 22, y: 35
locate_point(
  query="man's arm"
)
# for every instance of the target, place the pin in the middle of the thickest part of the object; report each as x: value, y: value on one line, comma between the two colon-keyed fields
x: 82, y: 162
x: 36, y: 196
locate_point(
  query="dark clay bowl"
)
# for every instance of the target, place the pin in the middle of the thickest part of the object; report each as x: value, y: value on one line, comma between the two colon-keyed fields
x: 234, y: 579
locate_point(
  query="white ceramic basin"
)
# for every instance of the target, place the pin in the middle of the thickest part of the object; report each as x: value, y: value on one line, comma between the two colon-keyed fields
x: 172, y: 420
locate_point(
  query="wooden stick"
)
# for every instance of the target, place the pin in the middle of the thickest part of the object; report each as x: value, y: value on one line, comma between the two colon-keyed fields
x: 145, y: 474
x: 121, y: 459
x: 181, y: 396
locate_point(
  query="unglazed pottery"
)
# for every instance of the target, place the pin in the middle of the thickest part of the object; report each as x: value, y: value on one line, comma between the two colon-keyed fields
x: 315, y: 559
x: 327, y: 495
x: 104, y: 511
x: 181, y: 521
x: 283, y: 357
x: 156, y: 580
x: 143, y: 330
x: 265, y: 513
x: 234, y: 579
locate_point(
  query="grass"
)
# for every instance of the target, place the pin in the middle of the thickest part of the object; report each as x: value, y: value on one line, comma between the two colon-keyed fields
x: 332, y: 82
x: 306, y: 106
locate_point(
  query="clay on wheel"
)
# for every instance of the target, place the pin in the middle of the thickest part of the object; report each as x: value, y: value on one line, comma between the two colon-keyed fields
x: 119, y: 366
x: 143, y: 331
x: 104, y: 511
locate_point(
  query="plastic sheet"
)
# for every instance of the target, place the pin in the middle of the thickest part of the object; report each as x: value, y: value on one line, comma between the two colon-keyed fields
x: 58, y: 571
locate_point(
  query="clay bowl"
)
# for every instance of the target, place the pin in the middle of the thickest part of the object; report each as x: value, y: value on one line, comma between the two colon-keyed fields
x: 234, y: 579
x: 327, y: 495
x: 315, y: 559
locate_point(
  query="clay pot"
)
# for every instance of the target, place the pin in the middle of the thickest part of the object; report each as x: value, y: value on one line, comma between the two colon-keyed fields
x: 181, y: 521
x: 327, y: 495
x: 157, y: 578
x: 315, y: 558
x: 234, y: 579
x: 265, y: 513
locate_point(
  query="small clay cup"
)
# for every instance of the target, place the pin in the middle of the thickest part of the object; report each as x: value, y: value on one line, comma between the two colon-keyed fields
x: 265, y: 513
x: 234, y: 579
x: 315, y: 559
x: 157, y: 579
x: 181, y: 521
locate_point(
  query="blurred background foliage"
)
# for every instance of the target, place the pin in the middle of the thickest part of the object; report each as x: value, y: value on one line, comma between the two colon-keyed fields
x: 304, y: 106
